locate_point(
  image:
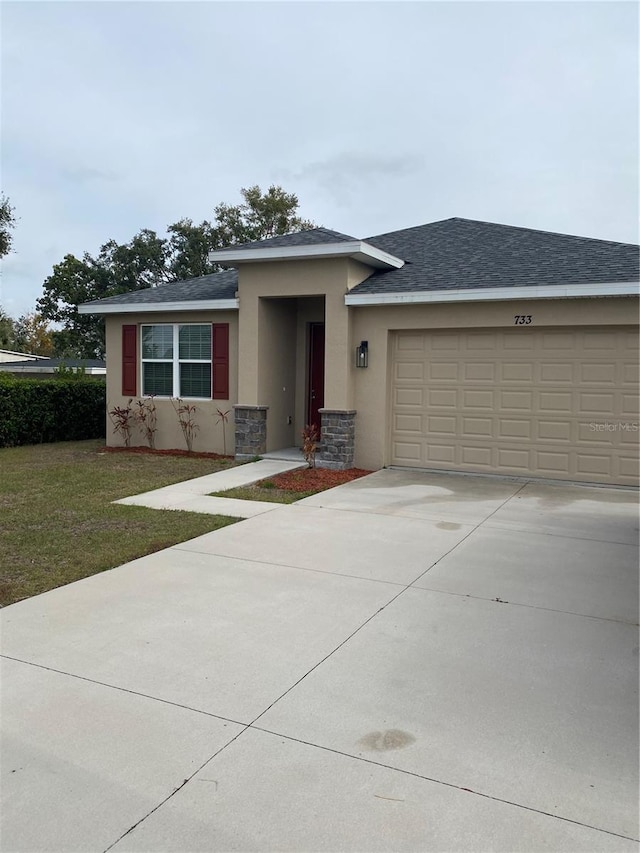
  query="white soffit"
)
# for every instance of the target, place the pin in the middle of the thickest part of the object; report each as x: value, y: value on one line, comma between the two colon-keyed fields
x: 489, y: 294
x: 357, y: 249
x: 157, y: 307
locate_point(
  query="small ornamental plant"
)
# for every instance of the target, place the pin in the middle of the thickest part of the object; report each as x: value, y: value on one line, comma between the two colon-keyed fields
x: 186, y: 417
x: 223, y: 418
x: 146, y: 418
x: 310, y: 444
x: 123, y: 420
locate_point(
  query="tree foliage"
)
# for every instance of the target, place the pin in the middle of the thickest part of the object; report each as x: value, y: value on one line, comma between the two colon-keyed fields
x: 7, y: 224
x: 28, y: 334
x: 6, y: 330
x: 31, y: 334
x: 149, y: 260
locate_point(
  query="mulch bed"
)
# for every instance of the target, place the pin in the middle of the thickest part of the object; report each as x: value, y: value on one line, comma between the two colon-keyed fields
x: 307, y: 479
x: 192, y: 455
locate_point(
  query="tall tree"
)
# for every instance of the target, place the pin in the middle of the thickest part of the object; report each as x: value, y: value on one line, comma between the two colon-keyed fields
x: 259, y: 216
x: 149, y: 260
x: 32, y: 335
x: 6, y: 330
x: 7, y: 224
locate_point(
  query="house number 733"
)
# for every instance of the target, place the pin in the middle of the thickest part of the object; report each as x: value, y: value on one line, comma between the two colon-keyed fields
x: 522, y: 319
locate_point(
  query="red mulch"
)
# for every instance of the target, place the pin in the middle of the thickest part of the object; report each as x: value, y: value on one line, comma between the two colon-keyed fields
x: 306, y: 479
x: 192, y: 455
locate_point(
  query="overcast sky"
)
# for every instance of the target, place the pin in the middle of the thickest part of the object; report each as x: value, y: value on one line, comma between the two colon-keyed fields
x: 119, y: 116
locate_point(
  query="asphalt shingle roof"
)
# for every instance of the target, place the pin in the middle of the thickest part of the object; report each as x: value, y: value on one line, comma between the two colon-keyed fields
x: 312, y: 237
x: 447, y: 255
x: 217, y: 285
x: 464, y: 253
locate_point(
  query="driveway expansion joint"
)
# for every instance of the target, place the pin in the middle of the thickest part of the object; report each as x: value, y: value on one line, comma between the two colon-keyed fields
x: 123, y: 689
x: 441, y: 782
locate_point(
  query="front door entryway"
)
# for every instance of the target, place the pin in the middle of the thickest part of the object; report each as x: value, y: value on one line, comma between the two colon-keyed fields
x: 316, y: 374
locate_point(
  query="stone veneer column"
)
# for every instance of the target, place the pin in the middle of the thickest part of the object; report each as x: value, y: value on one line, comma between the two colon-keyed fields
x: 251, y: 431
x: 337, y: 439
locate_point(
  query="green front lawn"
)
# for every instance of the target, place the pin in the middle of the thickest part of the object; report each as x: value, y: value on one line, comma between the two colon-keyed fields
x: 57, y: 522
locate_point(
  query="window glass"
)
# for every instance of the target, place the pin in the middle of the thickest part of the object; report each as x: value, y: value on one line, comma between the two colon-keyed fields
x: 195, y: 342
x: 157, y: 378
x: 195, y: 379
x: 157, y: 342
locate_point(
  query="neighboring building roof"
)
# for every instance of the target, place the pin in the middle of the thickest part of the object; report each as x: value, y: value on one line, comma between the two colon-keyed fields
x: 466, y: 254
x: 10, y: 355
x: 450, y: 255
x: 92, y: 366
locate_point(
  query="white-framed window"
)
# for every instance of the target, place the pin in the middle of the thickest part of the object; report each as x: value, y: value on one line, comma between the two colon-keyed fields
x: 176, y: 360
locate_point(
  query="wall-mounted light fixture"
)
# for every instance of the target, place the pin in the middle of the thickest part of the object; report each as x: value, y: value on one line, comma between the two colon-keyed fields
x: 362, y: 354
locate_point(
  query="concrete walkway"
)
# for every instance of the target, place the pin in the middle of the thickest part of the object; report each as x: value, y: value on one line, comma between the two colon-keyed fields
x: 194, y: 495
x: 409, y: 662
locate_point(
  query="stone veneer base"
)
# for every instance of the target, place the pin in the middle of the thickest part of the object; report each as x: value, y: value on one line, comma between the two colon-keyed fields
x: 251, y: 431
x: 337, y: 439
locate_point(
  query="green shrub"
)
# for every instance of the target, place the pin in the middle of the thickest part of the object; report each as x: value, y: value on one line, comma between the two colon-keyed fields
x: 48, y: 410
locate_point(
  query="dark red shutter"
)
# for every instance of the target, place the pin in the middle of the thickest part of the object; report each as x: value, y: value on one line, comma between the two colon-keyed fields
x: 129, y: 360
x: 220, y: 361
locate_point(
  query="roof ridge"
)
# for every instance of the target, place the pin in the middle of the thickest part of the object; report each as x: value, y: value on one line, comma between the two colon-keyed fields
x: 524, y: 228
x: 543, y: 231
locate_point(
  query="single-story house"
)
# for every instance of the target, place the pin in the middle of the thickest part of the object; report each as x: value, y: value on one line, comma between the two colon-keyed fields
x: 45, y: 368
x: 457, y: 345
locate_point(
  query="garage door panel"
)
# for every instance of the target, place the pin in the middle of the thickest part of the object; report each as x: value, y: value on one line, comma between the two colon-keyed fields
x: 477, y: 427
x: 588, y: 464
x: 411, y: 343
x: 408, y: 423
x: 445, y: 399
x: 509, y: 428
x: 408, y: 397
x: 516, y: 400
x: 557, y: 403
x: 630, y: 404
x: 438, y: 453
x: 409, y: 370
x: 447, y: 371
x: 516, y: 371
x: 517, y: 460
x: 596, y: 404
x: 478, y: 399
x: 547, y: 430
x: 480, y: 456
x: 557, y: 372
x: 630, y: 436
x: 442, y: 425
x: 407, y: 452
x: 598, y: 373
x: 479, y: 372
x: 557, y: 340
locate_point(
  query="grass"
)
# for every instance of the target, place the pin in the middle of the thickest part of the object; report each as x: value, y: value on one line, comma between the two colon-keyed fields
x: 258, y: 492
x: 57, y: 522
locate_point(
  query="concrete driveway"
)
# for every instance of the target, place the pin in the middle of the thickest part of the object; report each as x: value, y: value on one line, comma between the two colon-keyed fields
x: 408, y: 662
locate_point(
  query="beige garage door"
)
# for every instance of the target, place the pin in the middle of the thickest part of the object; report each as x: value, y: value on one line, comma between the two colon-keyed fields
x: 559, y: 403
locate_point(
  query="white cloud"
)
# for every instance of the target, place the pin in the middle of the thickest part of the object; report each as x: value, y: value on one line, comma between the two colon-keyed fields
x: 118, y: 116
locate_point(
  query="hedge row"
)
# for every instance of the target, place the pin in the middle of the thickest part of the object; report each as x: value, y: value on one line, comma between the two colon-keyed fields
x: 45, y: 410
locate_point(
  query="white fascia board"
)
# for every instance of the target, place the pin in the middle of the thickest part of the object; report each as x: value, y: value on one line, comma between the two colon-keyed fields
x: 491, y: 294
x: 22, y: 356
x: 158, y: 307
x: 358, y: 249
